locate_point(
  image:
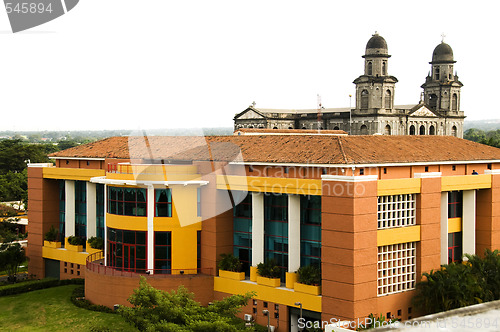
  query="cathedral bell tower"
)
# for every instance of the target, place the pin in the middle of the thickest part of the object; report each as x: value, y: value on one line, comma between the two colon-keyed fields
x: 442, y: 87
x: 375, y: 89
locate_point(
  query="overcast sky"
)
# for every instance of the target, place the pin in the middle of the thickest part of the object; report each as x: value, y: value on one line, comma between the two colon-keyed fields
x: 123, y: 64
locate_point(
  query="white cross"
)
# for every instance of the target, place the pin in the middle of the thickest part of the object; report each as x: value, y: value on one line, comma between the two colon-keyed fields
x: 442, y: 37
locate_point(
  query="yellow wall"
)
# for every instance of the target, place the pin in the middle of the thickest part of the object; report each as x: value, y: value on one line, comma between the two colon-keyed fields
x: 265, y: 293
x: 81, y: 174
x: 127, y: 222
x: 398, y: 186
x: 65, y: 255
x: 454, y: 225
x: 269, y: 184
x: 398, y: 235
x: 465, y: 182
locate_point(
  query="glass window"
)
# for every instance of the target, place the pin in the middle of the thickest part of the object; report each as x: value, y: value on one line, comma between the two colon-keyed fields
x: 81, y: 209
x: 310, y: 230
x: 454, y: 204
x: 127, y: 250
x: 455, y: 247
x: 100, y: 210
x: 242, y: 233
x: 163, y: 203
x: 163, y: 252
x: 62, y: 210
x: 276, y: 230
x: 127, y: 201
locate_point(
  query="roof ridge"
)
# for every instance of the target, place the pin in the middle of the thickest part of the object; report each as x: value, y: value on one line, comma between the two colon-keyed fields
x: 342, y: 149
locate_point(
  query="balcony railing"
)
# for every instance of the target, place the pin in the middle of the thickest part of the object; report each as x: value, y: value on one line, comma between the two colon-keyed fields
x: 95, y: 263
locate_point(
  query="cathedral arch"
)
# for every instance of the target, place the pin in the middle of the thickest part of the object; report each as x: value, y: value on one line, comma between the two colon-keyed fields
x: 369, y: 70
x: 432, y: 130
x: 364, y: 99
x: 363, y: 130
x: 387, y: 130
x: 388, y: 99
x: 422, y: 130
x: 454, y: 131
x: 454, y: 102
x: 412, y: 130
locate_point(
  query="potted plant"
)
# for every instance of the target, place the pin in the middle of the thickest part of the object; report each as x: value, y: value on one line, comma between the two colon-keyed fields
x: 50, y: 238
x: 75, y: 243
x: 308, y: 280
x: 230, y: 267
x: 269, y: 273
x: 95, y: 244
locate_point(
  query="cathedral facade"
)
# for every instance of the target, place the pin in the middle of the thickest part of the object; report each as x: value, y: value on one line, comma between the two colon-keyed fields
x: 437, y: 113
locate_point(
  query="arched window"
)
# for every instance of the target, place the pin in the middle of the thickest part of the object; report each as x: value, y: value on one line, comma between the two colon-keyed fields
x: 412, y: 130
x: 364, y: 99
x: 303, y: 127
x: 387, y: 130
x: 336, y: 128
x: 384, y: 68
x: 454, y: 102
x: 261, y: 127
x: 432, y: 130
x: 275, y: 127
x: 433, y: 101
x: 422, y: 130
x: 454, y: 131
x: 363, y: 130
x: 250, y: 127
x: 290, y: 127
x: 388, y: 99
x: 369, y: 70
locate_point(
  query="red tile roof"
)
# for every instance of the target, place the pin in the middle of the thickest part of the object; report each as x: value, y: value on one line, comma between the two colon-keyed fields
x: 301, y: 149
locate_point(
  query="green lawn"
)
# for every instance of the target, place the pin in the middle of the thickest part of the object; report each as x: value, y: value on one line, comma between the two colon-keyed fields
x: 51, y: 310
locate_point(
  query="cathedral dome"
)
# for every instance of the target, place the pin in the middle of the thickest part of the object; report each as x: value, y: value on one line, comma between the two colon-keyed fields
x: 442, y: 54
x: 376, y: 45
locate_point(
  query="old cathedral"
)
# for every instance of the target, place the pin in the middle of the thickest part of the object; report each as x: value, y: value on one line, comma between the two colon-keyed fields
x: 437, y: 113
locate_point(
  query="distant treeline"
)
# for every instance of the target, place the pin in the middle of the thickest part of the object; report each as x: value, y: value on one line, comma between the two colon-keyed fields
x: 491, y: 137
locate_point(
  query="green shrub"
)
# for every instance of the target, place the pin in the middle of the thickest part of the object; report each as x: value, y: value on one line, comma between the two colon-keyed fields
x: 78, y: 299
x: 374, y: 322
x: 96, y: 242
x: 229, y: 262
x: 309, y: 275
x: 75, y: 240
x: 51, y: 235
x: 269, y: 269
x: 31, y: 285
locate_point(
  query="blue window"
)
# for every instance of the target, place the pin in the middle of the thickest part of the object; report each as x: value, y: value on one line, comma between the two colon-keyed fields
x: 127, y: 201
x: 163, y: 252
x: 163, y: 203
x: 276, y: 230
x: 242, y: 233
x: 100, y: 210
x: 310, y: 230
x: 81, y: 209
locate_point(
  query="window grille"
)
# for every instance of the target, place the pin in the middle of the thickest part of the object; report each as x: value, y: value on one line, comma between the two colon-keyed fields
x: 396, y: 268
x: 396, y: 211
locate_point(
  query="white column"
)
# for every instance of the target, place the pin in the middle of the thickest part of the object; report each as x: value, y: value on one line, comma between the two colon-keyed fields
x: 444, y: 227
x: 469, y: 222
x: 257, y: 228
x: 150, y: 234
x: 69, y: 213
x: 105, y: 227
x: 91, y: 210
x: 294, y: 320
x: 293, y: 233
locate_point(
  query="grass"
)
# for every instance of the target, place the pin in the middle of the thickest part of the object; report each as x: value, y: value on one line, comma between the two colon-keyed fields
x: 51, y: 310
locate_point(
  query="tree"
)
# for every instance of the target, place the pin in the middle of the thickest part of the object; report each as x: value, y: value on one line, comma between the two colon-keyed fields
x: 11, y: 256
x: 157, y: 310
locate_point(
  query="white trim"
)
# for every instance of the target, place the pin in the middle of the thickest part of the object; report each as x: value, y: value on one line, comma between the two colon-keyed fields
x: 150, y: 233
x: 103, y: 180
x: 69, y: 210
x: 469, y: 222
x: 79, y: 158
x: 422, y: 163
x: 428, y: 175
x: 293, y: 233
x: 349, y: 178
x: 257, y: 228
x: 41, y: 165
x: 492, y: 171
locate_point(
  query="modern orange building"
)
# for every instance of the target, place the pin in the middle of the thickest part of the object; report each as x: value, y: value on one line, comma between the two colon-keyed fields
x: 374, y: 212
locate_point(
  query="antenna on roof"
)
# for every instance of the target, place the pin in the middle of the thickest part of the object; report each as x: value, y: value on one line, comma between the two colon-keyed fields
x: 319, y: 113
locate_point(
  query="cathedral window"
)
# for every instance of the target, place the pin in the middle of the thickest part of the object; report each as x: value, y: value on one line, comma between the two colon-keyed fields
x: 454, y: 131
x: 384, y: 68
x: 454, y: 102
x: 432, y: 131
x: 436, y: 73
x: 369, y: 70
x: 412, y: 130
x: 422, y: 130
x: 433, y: 101
x: 388, y: 99
x: 364, y: 99
x: 363, y: 130
x: 387, y: 130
